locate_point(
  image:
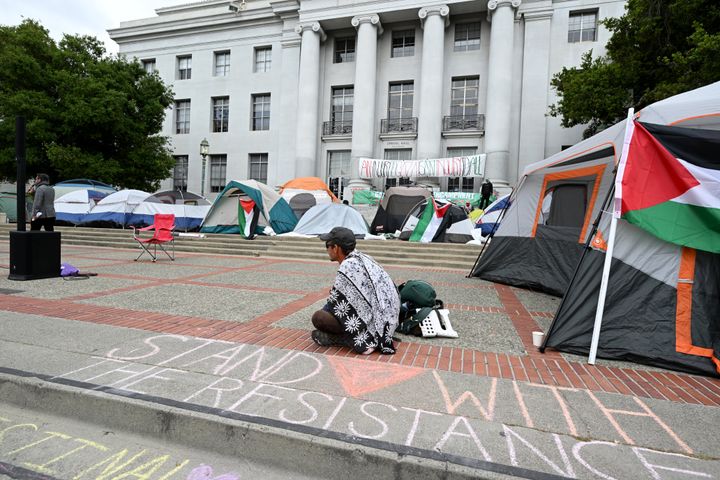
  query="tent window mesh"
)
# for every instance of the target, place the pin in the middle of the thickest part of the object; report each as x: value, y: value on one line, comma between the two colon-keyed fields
x: 567, y: 206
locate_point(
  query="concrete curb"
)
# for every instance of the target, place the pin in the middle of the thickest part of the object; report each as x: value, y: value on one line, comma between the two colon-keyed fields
x: 314, y: 452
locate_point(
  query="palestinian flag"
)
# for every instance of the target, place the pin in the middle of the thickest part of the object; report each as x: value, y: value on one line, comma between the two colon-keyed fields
x: 669, y: 184
x: 247, y: 218
x: 430, y: 221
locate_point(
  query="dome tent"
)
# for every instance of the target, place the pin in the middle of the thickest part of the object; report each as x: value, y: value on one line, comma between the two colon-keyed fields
x: 189, y: 209
x: 73, y: 207
x: 224, y: 214
x: 306, y: 192
x: 115, y: 209
x: 395, y: 206
x: 323, y: 218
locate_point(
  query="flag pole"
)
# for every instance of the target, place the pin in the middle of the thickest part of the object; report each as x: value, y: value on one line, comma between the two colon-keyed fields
x: 611, y: 241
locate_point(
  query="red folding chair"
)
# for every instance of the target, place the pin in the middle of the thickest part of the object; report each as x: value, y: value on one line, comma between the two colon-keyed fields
x: 163, y: 228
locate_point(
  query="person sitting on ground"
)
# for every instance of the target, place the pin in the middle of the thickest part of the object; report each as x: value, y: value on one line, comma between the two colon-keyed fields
x: 363, y: 307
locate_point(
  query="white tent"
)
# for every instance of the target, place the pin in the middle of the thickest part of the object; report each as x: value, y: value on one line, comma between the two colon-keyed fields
x: 323, y: 218
x: 74, y: 206
x: 116, y: 208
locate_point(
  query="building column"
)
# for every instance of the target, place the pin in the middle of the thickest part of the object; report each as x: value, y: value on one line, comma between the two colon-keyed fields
x: 363, y: 134
x: 433, y: 20
x: 308, y: 98
x: 501, y: 13
x: 535, y: 84
x: 283, y: 168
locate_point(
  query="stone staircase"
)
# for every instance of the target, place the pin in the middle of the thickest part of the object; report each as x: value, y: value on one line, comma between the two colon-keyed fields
x: 387, y: 252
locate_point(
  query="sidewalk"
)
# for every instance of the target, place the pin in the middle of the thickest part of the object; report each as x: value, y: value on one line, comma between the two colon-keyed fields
x: 227, y: 338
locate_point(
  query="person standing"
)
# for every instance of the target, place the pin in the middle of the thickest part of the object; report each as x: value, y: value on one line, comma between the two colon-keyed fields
x: 363, y: 307
x: 486, y: 191
x: 43, y: 211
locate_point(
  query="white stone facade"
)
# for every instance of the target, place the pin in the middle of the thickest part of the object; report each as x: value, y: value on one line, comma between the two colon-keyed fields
x: 520, y: 45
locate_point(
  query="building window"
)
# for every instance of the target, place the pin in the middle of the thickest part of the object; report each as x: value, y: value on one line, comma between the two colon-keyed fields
x: 403, y: 43
x: 582, y: 26
x: 180, y: 173
x: 221, y: 113
x: 182, y: 116
x: 218, y: 168
x: 184, y: 65
x: 261, y: 111
x: 344, y: 50
x: 464, y: 96
x: 149, y: 65
x: 339, y: 167
x: 342, y: 109
x: 467, y: 36
x: 263, y: 59
x: 222, y: 64
x: 461, y: 184
x: 397, y: 154
x: 400, y: 107
x: 258, y: 167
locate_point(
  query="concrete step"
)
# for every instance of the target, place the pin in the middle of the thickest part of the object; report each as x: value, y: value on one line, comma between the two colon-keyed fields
x: 388, y: 252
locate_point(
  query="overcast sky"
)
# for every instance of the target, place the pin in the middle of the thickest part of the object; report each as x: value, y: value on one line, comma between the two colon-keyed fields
x: 85, y: 17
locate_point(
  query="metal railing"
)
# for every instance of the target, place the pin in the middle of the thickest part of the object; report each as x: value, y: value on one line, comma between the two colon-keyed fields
x: 398, y: 125
x: 464, y: 122
x: 337, y: 128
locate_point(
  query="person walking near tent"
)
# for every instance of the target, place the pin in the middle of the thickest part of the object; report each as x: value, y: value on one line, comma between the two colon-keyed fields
x: 363, y: 307
x: 43, y: 211
x: 486, y: 191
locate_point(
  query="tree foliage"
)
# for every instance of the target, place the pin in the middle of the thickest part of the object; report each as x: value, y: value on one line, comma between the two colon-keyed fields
x: 89, y: 115
x: 658, y: 48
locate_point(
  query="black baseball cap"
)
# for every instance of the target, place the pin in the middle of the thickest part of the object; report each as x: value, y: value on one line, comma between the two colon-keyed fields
x: 340, y: 236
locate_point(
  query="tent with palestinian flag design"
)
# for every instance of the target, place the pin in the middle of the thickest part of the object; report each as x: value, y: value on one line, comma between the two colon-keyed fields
x: 663, y: 296
x: 247, y: 207
x: 437, y: 221
x: 671, y: 185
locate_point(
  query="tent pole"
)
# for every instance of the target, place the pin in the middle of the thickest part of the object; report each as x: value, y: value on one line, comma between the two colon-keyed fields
x: 603, y: 292
x: 611, y: 242
x: 594, y: 230
x: 495, y: 227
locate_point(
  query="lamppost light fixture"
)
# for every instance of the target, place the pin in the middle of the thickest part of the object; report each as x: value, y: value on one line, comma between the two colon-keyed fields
x: 204, y: 152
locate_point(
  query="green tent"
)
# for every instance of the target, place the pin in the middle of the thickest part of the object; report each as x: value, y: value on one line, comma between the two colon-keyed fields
x: 223, y: 216
x: 8, y: 205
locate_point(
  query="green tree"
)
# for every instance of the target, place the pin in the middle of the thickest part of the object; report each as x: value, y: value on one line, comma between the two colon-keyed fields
x: 658, y: 48
x: 88, y: 114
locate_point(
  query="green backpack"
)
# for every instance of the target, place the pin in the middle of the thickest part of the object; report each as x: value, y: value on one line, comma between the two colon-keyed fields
x: 417, y: 292
x: 417, y: 299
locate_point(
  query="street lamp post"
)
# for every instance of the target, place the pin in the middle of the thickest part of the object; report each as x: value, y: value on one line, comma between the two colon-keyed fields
x: 204, y: 151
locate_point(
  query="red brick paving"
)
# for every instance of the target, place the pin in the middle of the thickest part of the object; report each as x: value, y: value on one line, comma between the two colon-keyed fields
x: 549, y: 368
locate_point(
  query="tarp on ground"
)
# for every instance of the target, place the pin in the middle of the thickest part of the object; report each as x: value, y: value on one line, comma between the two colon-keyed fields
x: 663, y: 300
x: 223, y: 216
x: 323, y: 218
x: 73, y: 207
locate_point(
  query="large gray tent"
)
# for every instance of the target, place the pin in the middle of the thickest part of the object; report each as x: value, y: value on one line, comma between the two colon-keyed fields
x: 663, y: 301
x: 397, y: 203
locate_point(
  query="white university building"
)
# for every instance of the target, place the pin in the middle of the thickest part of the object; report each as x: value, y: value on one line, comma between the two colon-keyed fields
x: 294, y: 88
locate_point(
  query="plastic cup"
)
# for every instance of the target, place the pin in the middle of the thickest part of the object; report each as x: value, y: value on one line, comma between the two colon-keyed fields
x: 538, y: 338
